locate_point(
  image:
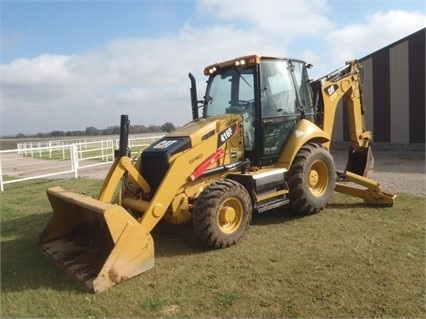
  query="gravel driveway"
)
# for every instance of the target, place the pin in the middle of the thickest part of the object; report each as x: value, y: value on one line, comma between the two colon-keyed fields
x: 397, y: 171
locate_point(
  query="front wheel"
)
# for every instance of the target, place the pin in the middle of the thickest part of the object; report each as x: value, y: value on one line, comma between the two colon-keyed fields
x: 311, y: 179
x: 222, y: 213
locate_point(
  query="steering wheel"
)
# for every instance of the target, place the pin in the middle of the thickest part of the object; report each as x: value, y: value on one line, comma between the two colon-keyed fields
x: 239, y: 106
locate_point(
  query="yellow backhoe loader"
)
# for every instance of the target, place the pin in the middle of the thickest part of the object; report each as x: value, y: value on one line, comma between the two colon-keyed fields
x: 261, y: 142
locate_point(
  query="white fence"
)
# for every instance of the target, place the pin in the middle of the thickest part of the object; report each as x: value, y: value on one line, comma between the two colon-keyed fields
x: 60, y: 159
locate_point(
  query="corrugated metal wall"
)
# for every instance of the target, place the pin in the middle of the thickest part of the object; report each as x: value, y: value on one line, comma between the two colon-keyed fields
x: 393, y: 93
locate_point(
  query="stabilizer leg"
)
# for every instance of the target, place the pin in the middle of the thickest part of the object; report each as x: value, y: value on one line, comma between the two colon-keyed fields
x: 372, y: 193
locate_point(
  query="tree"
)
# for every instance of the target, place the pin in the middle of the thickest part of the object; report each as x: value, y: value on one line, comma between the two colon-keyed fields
x: 57, y: 133
x: 92, y: 131
x: 167, y: 127
x: 153, y: 129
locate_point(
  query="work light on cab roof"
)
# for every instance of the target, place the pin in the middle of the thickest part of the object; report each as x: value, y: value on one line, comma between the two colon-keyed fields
x: 249, y: 60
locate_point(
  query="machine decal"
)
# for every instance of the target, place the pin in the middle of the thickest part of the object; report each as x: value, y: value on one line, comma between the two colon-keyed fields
x: 331, y: 91
x: 216, y: 156
x: 164, y: 144
x: 195, y: 158
x: 226, y: 134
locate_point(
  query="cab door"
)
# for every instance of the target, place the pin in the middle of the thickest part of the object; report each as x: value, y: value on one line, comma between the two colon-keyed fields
x: 280, y: 108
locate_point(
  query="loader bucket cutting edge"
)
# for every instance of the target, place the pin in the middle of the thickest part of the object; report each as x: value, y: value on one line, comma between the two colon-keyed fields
x: 97, y: 244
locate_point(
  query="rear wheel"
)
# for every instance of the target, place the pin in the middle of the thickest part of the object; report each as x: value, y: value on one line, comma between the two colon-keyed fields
x: 222, y: 213
x: 311, y: 179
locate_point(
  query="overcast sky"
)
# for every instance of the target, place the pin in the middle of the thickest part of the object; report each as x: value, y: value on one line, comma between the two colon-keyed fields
x: 67, y: 65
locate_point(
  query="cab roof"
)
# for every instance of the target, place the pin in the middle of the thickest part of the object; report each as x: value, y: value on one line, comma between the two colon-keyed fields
x: 244, y: 60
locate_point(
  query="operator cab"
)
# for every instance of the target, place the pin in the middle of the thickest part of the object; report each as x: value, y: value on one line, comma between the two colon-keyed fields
x: 271, y: 94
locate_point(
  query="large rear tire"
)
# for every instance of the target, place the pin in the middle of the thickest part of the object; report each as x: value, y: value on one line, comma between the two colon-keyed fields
x: 311, y: 179
x: 222, y: 214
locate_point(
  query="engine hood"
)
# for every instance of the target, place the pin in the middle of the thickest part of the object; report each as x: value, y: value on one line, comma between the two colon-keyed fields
x: 201, y: 129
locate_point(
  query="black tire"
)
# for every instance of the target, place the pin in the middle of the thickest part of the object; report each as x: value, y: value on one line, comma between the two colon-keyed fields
x: 311, y: 179
x: 222, y: 213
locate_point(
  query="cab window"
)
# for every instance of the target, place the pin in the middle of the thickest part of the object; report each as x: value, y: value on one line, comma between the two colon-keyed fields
x: 278, y: 96
x: 302, y: 78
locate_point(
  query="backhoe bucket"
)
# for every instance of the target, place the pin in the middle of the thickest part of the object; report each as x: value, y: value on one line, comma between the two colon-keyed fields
x: 360, y: 162
x: 95, y: 243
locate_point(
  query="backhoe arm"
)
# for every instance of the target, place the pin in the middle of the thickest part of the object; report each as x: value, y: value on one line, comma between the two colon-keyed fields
x: 346, y: 83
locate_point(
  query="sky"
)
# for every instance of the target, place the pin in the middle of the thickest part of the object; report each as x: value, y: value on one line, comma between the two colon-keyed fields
x: 68, y: 65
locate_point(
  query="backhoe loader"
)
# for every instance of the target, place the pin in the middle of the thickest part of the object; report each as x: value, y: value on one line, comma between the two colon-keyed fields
x: 261, y: 142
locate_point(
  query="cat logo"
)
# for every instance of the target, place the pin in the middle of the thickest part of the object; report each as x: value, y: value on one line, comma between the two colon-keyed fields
x: 164, y: 144
x: 332, y: 91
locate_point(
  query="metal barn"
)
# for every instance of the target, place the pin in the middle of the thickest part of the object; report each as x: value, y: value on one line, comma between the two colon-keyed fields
x: 394, y: 95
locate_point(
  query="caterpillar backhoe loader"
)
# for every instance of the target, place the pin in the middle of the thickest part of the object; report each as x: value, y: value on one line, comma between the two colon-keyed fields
x: 262, y: 142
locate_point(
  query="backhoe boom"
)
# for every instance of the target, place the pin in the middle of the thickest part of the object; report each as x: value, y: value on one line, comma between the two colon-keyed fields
x: 346, y: 83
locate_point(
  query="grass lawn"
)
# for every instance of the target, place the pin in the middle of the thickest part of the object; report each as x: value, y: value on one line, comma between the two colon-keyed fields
x: 347, y: 261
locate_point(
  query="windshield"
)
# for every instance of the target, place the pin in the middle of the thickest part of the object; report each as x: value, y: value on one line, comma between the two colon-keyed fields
x: 230, y: 91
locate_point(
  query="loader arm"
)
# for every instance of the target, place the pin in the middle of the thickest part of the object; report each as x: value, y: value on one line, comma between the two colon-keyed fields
x: 122, y: 164
x: 177, y: 175
x: 185, y: 166
x: 120, y: 167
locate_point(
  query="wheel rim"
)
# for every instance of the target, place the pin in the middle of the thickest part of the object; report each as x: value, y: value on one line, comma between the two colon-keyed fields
x: 318, y: 178
x: 230, y: 215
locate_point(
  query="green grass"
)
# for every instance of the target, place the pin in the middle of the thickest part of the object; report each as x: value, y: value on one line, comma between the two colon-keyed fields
x: 56, y: 155
x: 93, y: 154
x: 348, y: 261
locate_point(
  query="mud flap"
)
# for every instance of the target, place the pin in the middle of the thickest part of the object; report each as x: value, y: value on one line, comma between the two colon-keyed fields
x: 97, y: 244
x: 360, y: 162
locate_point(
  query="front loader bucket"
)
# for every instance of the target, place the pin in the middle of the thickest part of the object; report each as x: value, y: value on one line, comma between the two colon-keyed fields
x: 95, y: 243
x: 360, y: 162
